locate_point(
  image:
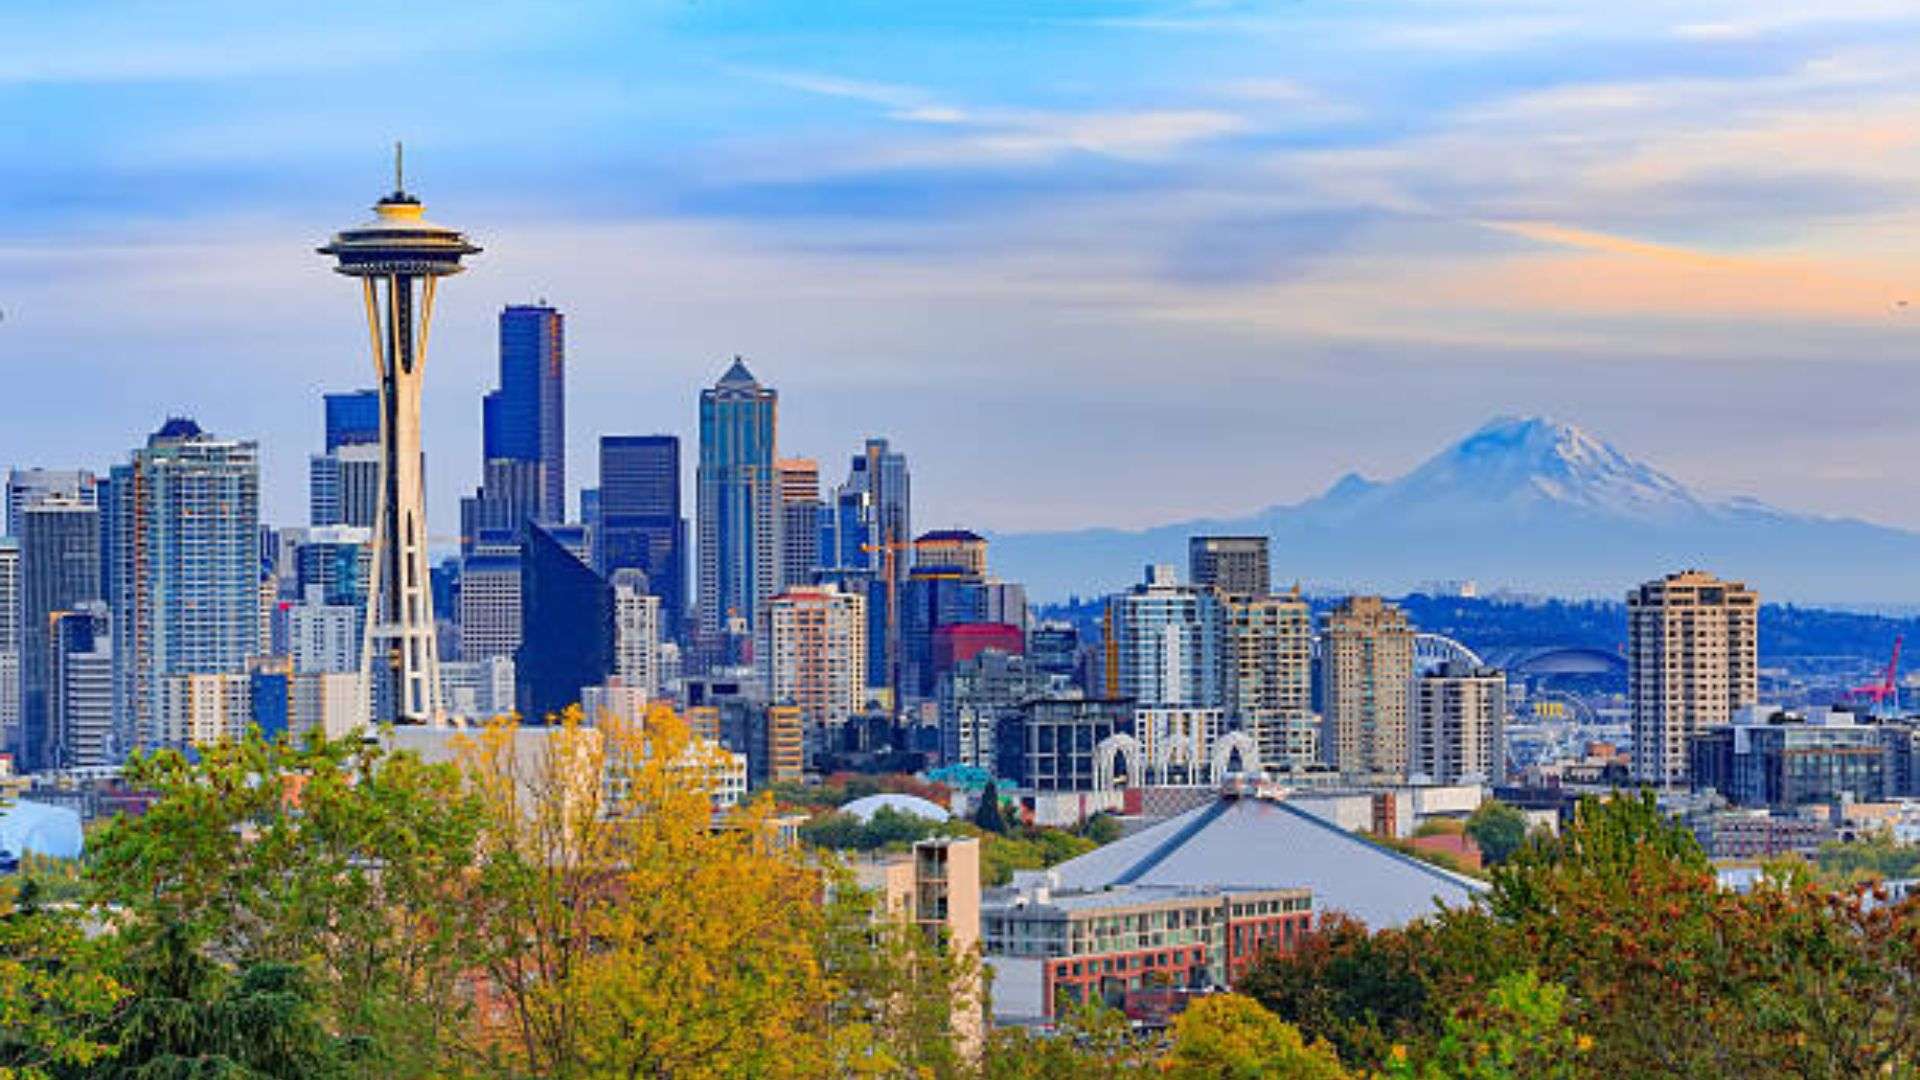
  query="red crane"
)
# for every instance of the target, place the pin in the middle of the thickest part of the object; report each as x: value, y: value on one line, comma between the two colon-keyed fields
x: 1888, y: 687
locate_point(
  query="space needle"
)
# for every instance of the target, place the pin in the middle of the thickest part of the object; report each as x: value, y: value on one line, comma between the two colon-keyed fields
x: 399, y: 258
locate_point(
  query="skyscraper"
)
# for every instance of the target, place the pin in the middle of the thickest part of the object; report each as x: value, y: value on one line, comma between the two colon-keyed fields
x: 188, y: 512
x: 567, y: 617
x: 1367, y: 669
x: 1459, y: 725
x: 817, y: 658
x: 352, y: 419
x: 525, y: 419
x: 28, y: 486
x: 799, y: 520
x: 739, y: 503
x: 640, y: 524
x: 1270, y: 677
x: 59, y: 571
x: 1236, y: 565
x: 1692, y: 660
x: 399, y: 258
x: 1168, y: 640
x: 636, y: 632
x: 9, y: 641
x: 343, y: 486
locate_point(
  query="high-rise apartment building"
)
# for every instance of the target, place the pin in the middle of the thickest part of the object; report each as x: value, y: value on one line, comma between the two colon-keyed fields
x: 739, y: 498
x: 636, y: 632
x: 1169, y: 643
x: 343, y: 486
x: 1366, y: 673
x: 9, y: 641
x: 816, y: 658
x: 799, y: 520
x: 1459, y: 725
x: 202, y: 709
x: 1236, y: 565
x: 187, y: 574
x: 525, y: 419
x: 1692, y: 660
x: 1269, y: 660
x: 59, y: 571
x: 639, y: 524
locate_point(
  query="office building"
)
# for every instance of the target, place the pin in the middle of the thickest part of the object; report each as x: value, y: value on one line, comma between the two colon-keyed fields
x: 1054, y: 647
x: 1366, y: 673
x: 187, y: 508
x: 400, y: 258
x: 1769, y: 757
x: 639, y: 524
x: 636, y: 633
x: 567, y: 619
x: 1235, y: 565
x: 490, y: 617
x: 323, y: 637
x: 1269, y: 662
x: 977, y: 693
x: 352, y: 419
x: 80, y: 689
x: 739, y: 511
x: 1168, y: 642
x: 335, y: 560
x: 799, y: 520
x: 932, y: 599
x: 734, y: 712
x: 1459, y: 725
x: 525, y: 419
x: 202, y: 709
x: 343, y: 486
x: 818, y: 638
x: 59, y: 571
x: 1692, y: 661
x: 508, y: 497
x: 956, y: 549
x: 1052, y: 745
x: 1007, y: 603
x: 478, y: 690
x: 329, y: 702
x: 26, y: 487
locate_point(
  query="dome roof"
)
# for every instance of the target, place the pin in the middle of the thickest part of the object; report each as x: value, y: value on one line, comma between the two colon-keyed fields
x: 40, y: 828
x: 913, y: 805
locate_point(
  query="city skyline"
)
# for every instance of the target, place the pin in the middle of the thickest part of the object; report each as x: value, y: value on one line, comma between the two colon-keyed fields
x: 1093, y: 234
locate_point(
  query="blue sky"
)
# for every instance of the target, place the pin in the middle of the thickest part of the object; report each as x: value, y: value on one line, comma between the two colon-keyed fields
x: 1090, y: 263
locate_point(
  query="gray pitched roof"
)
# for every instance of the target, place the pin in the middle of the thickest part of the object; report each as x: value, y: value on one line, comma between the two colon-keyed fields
x: 1251, y: 842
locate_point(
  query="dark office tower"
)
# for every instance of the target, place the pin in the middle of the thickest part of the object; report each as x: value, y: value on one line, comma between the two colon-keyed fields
x: 739, y: 504
x: 1236, y: 565
x: 526, y: 419
x: 59, y: 571
x: 878, y: 498
x: 566, y: 613
x: 508, y: 497
x: 640, y: 527
x: 80, y: 689
x: 353, y: 418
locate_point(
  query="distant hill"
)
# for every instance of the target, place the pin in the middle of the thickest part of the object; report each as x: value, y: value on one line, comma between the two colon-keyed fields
x: 1525, y: 502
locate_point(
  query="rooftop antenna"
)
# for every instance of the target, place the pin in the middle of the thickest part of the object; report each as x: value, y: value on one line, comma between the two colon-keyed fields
x: 399, y: 166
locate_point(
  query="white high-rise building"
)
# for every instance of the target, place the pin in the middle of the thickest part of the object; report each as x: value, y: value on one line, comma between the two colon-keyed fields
x: 9, y: 641
x: 636, y: 632
x: 478, y: 690
x: 1693, y: 659
x: 1167, y: 643
x: 199, y: 710
x: 1367, y: 672
x: 1459, y: 725
x: 330, y: 702
x: 817, y: 659
x: 323, y: 637
x: 489, y: 607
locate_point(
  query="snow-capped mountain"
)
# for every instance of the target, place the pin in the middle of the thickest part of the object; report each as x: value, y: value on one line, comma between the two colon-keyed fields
x: 1526, y: 502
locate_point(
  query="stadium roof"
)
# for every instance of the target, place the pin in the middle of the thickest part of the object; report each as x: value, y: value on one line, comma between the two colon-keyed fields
x: 913, y: 805
x: 1258, y: 842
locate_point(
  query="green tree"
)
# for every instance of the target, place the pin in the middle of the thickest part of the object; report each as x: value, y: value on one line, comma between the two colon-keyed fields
x: 988, y: 815
x: 1229, y: 1037
x: 1499, y: 830
x: 1518, y: 1032
x: 56, y: 992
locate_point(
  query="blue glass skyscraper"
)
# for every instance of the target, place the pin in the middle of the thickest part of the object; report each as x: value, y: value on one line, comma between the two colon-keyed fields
x: 353, y: 418
x: 739, y: 502
x: 525, y: 419
x: 566, y: 618
x: 639, y: 525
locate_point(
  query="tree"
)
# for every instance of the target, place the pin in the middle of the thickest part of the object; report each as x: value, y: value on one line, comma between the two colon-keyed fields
x: 1090, y: 1042
x: 988, y: 815
x: 1229, y: 1037
x: 628, y: 930
x: 342, y: 860
x: 1517, y: 1033
x: 56, y: 992
x: 1499, y: 830
x: 1361, y: 992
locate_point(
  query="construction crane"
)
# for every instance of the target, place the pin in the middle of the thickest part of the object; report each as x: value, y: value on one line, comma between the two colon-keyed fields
x: 889, y: 551
x: 1888, y: 688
